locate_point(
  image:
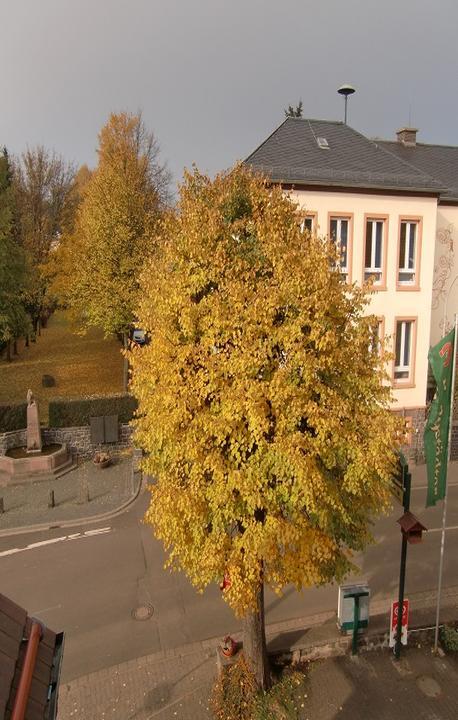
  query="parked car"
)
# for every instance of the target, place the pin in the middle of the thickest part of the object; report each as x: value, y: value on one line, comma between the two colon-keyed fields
x: 139, y: 336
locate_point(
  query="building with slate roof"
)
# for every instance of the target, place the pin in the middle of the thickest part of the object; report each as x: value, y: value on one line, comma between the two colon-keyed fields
x: 30, y: 661
x: 392, y: 207
x: 441, y: 163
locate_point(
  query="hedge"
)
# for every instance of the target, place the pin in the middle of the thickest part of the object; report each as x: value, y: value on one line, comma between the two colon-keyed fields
x: 13, y: 417
x: 76, y: 412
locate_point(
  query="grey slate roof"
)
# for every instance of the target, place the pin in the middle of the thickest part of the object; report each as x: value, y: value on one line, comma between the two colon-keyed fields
x: 291, y: 155
x: 439, y: 161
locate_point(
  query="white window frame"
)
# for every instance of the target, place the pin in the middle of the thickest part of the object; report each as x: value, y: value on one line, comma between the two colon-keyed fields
x: 403, y: 371
x: 404, y: 269
x: 337, y: 240
x: 305, y: 219
x: 372, y: 270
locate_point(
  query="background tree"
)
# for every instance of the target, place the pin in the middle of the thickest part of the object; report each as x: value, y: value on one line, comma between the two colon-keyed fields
x: 114, y: 235
x: 45, y: 202
x: 64, y: 255
x: 13, y: 317
x: 261, y: 406
x: 294, y: 112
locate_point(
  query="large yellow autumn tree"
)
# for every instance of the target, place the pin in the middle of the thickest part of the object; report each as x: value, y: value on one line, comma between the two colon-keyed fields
x: 262, y: 407
x: 121, y: 203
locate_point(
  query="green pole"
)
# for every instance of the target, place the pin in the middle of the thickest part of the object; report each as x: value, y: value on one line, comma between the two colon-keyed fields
x: 407, y: 481
x: 354, y: 647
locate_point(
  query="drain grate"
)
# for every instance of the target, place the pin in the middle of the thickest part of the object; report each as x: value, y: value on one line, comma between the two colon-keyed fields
x: 429, y: 686
x: 143, y: 612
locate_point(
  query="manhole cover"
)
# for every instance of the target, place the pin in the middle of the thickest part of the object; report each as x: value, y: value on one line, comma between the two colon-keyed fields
x: 143, y: 612
x: 429, y: 686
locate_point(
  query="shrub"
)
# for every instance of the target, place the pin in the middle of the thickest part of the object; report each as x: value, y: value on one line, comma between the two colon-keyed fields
x: 236, y: 696
x: 78, y: 411
x: 13, y: 417
x: 235, y: 692
x: 449, y: 638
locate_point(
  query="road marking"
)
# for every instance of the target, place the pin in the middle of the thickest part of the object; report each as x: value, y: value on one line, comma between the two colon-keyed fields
x: 40, y: 612
x: 100, y: 531
x: 450, y: 527
x: 52, y: 541
x: 45, y: 542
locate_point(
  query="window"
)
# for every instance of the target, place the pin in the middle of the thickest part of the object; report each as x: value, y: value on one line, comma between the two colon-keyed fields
x: 374, y: 251
x: 339, y: 228
x: 308, y: 223
x: 408, y: 249
x: 404, y: 350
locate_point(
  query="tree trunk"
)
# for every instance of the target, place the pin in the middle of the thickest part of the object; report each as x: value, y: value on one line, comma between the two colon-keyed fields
x: 15, y: 347
x: 254, y: 642
x: 125, y: 370
x: 8, y: 351
x: 27, y: 340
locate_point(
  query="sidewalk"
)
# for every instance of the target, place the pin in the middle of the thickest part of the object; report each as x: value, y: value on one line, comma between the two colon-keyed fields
x: 26, y: 504
x: 176, y: 685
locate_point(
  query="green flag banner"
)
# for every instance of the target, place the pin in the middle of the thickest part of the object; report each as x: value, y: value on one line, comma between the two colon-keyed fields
x: 437, y: 425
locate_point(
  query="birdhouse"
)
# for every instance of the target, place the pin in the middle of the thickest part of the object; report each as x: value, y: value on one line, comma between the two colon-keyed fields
x: 411, y: 528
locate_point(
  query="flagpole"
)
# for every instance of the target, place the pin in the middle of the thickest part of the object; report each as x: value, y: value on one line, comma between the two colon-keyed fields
x: 444, y: 512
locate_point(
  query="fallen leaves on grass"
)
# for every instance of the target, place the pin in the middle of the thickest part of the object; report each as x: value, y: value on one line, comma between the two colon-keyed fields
x: 83, y: 366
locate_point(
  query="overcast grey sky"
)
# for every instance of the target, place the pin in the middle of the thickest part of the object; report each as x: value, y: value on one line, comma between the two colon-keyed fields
x: 213, y: 76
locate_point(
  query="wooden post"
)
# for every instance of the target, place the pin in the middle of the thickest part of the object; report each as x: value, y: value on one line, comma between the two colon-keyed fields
x: 2, y: 506
x: 83, y: 491
x: 51, y: 500
x: 125, y: 378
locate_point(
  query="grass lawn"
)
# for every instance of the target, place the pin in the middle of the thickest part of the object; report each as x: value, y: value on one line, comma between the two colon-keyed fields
x: 81, y: 365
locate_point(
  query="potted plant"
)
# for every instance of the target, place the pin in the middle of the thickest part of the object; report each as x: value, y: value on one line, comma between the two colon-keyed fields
x: 102, y: 459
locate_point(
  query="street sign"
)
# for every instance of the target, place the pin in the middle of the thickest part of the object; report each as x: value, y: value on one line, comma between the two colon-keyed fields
x: 394, y: 622
x: 346, y: 606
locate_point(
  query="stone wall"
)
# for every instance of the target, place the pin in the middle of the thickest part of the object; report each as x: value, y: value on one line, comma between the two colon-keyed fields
x: 413, y: 447
x: 15, y: 438
x: 78, y: 440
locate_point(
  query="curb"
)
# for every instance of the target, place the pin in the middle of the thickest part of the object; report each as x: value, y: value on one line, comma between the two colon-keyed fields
x: 374, y: 636
x: 9, y: 532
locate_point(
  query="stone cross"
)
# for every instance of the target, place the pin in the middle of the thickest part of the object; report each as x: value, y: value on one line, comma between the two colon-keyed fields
x: 34, y: 443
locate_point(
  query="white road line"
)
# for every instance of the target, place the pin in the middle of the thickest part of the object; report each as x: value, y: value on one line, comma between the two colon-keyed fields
x: 10, y: 552
x: 46, y: 542
x: 450, y: 527
x: 100, y: 531
x: 40, y: 612
x: 52, y: 541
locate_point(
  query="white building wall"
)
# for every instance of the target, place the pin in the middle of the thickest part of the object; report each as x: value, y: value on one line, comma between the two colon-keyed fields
x: 391, y: 302
x: 445, y: 290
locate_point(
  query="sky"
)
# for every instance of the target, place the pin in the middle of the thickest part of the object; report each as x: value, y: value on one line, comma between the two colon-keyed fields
x: 212, y: 77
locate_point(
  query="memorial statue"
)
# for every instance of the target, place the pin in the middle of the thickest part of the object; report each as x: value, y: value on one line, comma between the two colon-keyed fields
x: 34, y: 443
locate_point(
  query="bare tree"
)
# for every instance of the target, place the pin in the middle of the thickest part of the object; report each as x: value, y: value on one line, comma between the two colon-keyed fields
x: 45, y: 201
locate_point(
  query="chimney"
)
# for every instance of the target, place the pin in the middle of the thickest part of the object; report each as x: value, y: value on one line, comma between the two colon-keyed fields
x: 407, y: 136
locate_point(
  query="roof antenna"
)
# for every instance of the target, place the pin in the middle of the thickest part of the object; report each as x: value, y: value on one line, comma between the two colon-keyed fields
x: 346, y: 90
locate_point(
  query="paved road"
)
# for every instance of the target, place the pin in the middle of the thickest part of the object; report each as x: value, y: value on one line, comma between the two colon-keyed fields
x: 88, y: 580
